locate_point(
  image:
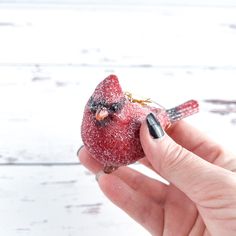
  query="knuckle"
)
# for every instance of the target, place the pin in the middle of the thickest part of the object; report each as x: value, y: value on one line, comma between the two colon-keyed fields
x: 174, y: 157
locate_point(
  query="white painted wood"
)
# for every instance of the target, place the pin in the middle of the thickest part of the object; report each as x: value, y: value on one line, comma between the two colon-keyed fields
x: 51, y: 60
x: 57, y: 201
x: 156, y: 36
x: 228, y: 3
x: 41, y: 112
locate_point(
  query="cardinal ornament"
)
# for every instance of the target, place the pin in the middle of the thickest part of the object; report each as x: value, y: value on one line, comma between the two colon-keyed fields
x: 112, y: 119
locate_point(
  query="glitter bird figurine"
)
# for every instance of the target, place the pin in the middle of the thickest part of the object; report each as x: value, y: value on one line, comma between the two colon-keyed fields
x: 112, y: 119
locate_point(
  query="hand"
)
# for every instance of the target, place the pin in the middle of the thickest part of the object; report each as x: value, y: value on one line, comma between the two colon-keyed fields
x: 201, y: 196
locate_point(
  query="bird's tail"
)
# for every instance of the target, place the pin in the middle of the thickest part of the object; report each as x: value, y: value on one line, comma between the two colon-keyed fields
x: 186, y: 109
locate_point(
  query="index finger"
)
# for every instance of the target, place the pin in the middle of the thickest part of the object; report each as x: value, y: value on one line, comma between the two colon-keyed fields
x: 195, y: 141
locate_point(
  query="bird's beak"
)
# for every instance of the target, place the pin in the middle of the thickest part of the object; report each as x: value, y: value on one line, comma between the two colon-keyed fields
x: 101, y: 114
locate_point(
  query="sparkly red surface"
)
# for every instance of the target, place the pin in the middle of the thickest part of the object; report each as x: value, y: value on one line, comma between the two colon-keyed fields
x: 116, y: 142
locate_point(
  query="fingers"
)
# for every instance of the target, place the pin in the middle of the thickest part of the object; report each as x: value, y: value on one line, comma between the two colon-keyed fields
x: 135, y: 193
x: 152, y: 188
x: 184, y: 169
x: 195, y: 141
x: 146, y: 163
x: 88, y: 161
x: 137, y: 181
x: 198, y: 143
x: 139, y: 206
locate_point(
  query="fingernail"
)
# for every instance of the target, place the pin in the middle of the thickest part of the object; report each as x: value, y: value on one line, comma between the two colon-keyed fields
x: 97, y: 176
x: 154, y: 127
x: 79, y: 150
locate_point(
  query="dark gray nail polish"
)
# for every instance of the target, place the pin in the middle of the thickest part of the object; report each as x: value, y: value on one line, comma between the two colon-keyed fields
x: 154, y: 127
x: 79, y: 150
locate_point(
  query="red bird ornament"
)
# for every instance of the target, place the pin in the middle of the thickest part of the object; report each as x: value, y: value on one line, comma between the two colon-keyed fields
x: 112, y: 119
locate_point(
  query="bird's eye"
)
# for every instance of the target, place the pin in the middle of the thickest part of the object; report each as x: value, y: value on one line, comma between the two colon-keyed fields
x: 93, y: 105
x: 115, y: 107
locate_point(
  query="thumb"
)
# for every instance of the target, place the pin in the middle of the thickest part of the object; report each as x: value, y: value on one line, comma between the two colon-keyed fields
x: 187, y: 171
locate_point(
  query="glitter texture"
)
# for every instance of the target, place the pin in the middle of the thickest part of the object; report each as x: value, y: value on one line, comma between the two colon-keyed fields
x: 115, y: 141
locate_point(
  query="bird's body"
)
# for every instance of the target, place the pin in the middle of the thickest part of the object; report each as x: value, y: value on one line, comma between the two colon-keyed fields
x: 111, y: 123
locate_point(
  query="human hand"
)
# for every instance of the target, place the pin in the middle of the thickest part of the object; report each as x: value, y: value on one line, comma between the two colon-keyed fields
x: 201, y: 196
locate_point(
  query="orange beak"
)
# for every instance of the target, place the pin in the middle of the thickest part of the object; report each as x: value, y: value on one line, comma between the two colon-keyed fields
x: 101, y: 114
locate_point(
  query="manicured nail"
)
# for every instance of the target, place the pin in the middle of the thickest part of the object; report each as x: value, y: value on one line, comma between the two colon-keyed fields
x: 154, y: 127
x: 79, y: 150
x: 97, y: 176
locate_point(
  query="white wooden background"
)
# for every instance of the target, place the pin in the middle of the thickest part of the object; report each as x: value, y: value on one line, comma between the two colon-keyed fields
x: 52, y: 57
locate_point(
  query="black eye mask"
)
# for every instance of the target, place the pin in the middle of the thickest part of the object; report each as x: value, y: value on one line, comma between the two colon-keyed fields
x: 111, y: 107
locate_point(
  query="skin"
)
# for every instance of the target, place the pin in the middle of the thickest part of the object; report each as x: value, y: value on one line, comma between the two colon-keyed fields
x: 201, y: 196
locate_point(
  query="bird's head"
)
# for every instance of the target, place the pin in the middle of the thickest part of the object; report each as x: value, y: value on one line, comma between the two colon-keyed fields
x: 108, y: 99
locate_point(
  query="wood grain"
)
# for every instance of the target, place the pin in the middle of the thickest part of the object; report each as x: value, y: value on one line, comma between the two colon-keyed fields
x: 51, y: 60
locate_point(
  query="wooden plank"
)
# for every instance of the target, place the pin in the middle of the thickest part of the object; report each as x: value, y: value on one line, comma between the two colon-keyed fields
x: 58, y: 201
x: 46, y: 78
x: 214, y: 3
x: 160, y: 36
x: 40, y: 118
